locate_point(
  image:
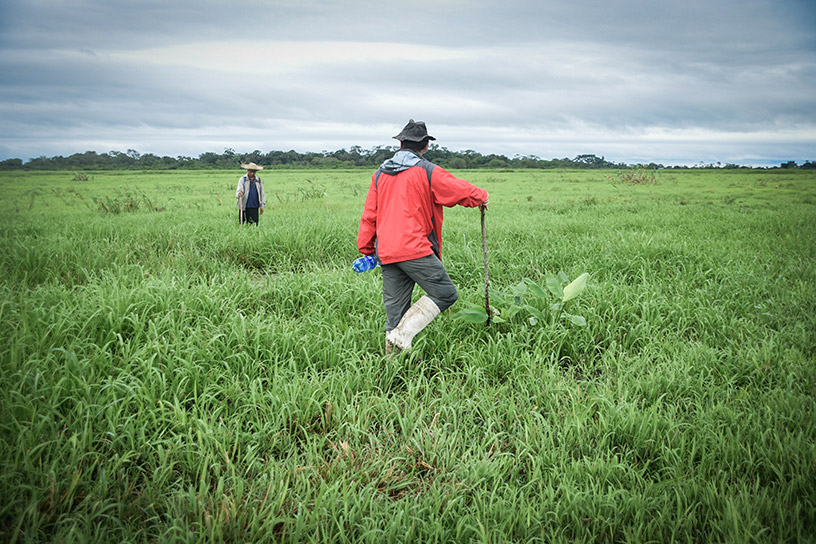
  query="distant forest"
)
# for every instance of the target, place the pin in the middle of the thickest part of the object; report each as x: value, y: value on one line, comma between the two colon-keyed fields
x: 356, y: 156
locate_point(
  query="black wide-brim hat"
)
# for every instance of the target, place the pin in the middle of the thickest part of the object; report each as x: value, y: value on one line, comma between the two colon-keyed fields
x: 414, y: 131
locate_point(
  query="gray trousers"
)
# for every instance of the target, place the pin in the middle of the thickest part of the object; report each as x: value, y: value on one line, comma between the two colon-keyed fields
x: 398, y: 284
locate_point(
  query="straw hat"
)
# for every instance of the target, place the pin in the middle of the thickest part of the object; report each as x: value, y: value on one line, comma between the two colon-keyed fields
x: 251, y: 166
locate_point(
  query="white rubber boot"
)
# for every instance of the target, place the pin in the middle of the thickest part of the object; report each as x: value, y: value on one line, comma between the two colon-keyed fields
x: 415, y: 319
x: 390, y: 349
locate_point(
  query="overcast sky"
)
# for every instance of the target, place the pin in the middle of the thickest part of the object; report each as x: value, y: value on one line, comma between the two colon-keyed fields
x: 675, y: 81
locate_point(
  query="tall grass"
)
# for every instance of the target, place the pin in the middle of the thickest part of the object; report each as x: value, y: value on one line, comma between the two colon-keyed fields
x: 168, y: 376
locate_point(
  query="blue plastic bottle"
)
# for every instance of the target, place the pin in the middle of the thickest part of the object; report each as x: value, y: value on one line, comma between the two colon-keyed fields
x: 365, y: 263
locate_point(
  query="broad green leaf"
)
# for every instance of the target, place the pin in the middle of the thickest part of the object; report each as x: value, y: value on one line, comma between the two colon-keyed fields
x: 563, y: 277
x: 574, y: 289
x: 537, y: 290
x: 513, y: 310
x: 497, y: 319
x: 556, y: 306
x: 535, y: 312
x: 519, y: 289
x: 554, y: 285
x: 472, y: 315
x: 576, y: 319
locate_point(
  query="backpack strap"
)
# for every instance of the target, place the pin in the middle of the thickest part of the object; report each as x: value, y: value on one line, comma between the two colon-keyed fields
x: 428, y: 166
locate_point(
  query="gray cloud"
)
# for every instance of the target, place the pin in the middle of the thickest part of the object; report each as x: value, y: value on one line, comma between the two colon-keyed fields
x: 677, y: 81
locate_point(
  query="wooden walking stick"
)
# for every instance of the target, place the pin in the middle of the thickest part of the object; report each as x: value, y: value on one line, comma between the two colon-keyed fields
x: 487, y: 276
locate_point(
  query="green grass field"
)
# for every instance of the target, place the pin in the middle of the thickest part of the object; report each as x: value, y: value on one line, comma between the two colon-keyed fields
x: 170, y: 377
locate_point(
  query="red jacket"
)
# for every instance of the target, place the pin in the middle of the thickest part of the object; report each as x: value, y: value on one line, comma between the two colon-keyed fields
x: 403, y: 209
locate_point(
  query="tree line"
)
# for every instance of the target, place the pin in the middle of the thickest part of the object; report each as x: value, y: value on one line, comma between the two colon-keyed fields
x: 353, y: 157
x: 356, y: 156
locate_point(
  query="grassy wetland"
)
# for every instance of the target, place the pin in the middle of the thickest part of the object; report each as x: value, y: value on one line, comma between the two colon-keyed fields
x: 170, y: 377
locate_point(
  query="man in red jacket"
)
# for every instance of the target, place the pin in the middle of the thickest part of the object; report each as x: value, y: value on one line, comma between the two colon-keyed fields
x: 402, y: 224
